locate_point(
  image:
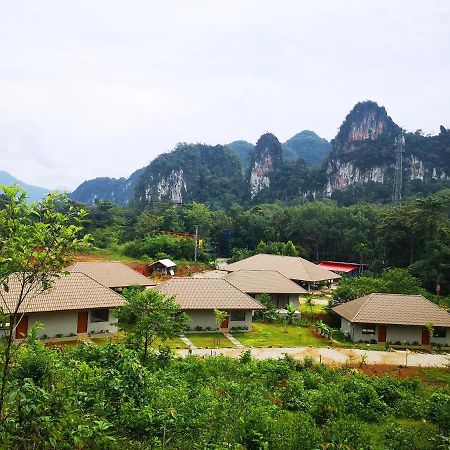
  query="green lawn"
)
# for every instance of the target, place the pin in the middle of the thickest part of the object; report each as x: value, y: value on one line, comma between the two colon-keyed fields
x: 274, y: 335
x: 316, y: 309
x: 172, y: 343
x: 208, y: 340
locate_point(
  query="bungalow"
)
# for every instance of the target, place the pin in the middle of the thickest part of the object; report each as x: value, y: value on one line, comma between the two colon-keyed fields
x: 302, y: 271
x: 74, y: 305
x: 163, y: 267
x: 394, y: 318
x: 112, y: 274
x: 282, y: 290
x: 199, y: 297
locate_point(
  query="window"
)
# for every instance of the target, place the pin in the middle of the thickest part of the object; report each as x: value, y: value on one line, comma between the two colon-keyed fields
x: 282, y: 300
x: 6, y: 324
x: 237, y: 316
x: 368, y: 328
x: 440, y: 332
x: 99, y: 315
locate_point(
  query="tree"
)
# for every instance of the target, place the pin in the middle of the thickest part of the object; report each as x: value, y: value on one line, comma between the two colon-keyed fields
x: 393, y: 281
x: 147, y: 315
x: 310, y: 302
x: 430, y: 328
x: 270, y: 313
x: 289, y: 249
x: 219, y: 317
x: 198, y: 214
x: 290, y: 308
x: 36, y: 241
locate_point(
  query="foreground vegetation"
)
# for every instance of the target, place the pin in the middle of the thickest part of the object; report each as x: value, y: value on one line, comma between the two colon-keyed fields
x: 95, y: 397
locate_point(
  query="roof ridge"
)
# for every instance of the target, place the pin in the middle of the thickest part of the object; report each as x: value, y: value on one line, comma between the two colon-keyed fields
x: 245, y: 293
x: 98, y: 282
x: 306, y: 270
x: 362, y: 306
x: 396, y: 293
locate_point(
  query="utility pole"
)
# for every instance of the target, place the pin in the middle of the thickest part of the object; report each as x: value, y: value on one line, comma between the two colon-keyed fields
x: 196, y: 243
x: 398, y: 174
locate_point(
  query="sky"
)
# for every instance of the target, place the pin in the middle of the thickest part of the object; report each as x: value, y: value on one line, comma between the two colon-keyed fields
x: 100, y: 87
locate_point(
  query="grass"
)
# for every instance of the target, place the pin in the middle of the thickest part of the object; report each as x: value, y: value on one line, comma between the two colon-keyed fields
x: 171, y: 343
x: 316, y: 309
x: 274, y: 335
x: 207, y: 340
x: 435, y: 375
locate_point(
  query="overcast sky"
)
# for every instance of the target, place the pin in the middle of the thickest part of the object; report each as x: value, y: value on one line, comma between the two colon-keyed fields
x: 99, y: 88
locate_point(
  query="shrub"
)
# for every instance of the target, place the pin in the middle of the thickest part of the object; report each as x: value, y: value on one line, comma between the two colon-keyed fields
x: 439, y: 411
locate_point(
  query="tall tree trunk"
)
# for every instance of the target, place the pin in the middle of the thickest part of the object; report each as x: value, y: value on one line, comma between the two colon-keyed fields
x: 6, y: 367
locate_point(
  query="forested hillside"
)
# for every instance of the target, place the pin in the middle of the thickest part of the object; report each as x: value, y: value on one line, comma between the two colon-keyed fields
x: 415, y: 235
x: 205, y: 173
x: 357, y: 165
x: 307, y: 146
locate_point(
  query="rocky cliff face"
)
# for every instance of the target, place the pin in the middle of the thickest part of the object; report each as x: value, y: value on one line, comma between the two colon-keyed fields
x: 169, y: 187
x: 267, y: 158
x: 362, y: 155
x: 364, y: 151
x: 198, y: 172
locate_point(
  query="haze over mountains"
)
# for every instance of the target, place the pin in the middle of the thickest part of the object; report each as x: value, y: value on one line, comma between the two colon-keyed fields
x: 357, y: 164
x: 35, y: 193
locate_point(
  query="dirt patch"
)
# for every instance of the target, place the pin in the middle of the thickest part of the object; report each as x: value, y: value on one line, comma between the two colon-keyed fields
x: 434, y: 376
x: 186, y: 270
x: 82, y: 257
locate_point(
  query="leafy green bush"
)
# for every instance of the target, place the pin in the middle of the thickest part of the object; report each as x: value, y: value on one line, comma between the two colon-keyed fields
x: 105, y: 398
x: 164, y: 245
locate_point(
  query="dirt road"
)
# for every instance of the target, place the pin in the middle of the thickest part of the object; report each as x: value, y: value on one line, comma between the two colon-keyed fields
x: 335, y: 356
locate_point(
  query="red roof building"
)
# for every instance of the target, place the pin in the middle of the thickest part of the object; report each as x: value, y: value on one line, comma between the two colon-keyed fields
x: 342, y: 267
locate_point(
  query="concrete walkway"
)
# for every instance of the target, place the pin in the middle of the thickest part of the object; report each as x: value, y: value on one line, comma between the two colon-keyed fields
x: 188, y: 342
x: 233, y: 340
x: 334, y: 356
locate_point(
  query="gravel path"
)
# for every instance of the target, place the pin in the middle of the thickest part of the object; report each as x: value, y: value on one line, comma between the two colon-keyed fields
x: 333, y: 356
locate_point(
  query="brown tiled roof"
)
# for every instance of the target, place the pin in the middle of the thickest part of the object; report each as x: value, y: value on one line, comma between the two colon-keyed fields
x: 113, y: 274
x: 292, y: 267
x: 74, y: 291
x: 207, y: 293
x: 263, y: 281
x: 394, y: 309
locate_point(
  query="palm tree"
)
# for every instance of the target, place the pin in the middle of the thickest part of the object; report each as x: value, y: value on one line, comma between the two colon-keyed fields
x: 310, y: 302
x: 290, y: 308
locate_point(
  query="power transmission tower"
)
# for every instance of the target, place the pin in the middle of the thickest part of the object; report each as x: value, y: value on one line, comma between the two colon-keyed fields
x: 398, y: 174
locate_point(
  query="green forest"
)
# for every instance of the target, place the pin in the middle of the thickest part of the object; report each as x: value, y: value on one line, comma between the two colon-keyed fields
x: 414, y: 235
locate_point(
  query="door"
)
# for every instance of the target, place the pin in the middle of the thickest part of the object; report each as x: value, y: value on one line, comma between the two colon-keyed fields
x: 425, y: 336
x: 224, y: 324
x: 22, y: 327
x: 82, y: 322
x: 381, y: 333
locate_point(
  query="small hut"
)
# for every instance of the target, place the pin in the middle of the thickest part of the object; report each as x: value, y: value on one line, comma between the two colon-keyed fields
x: 163, y: 267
